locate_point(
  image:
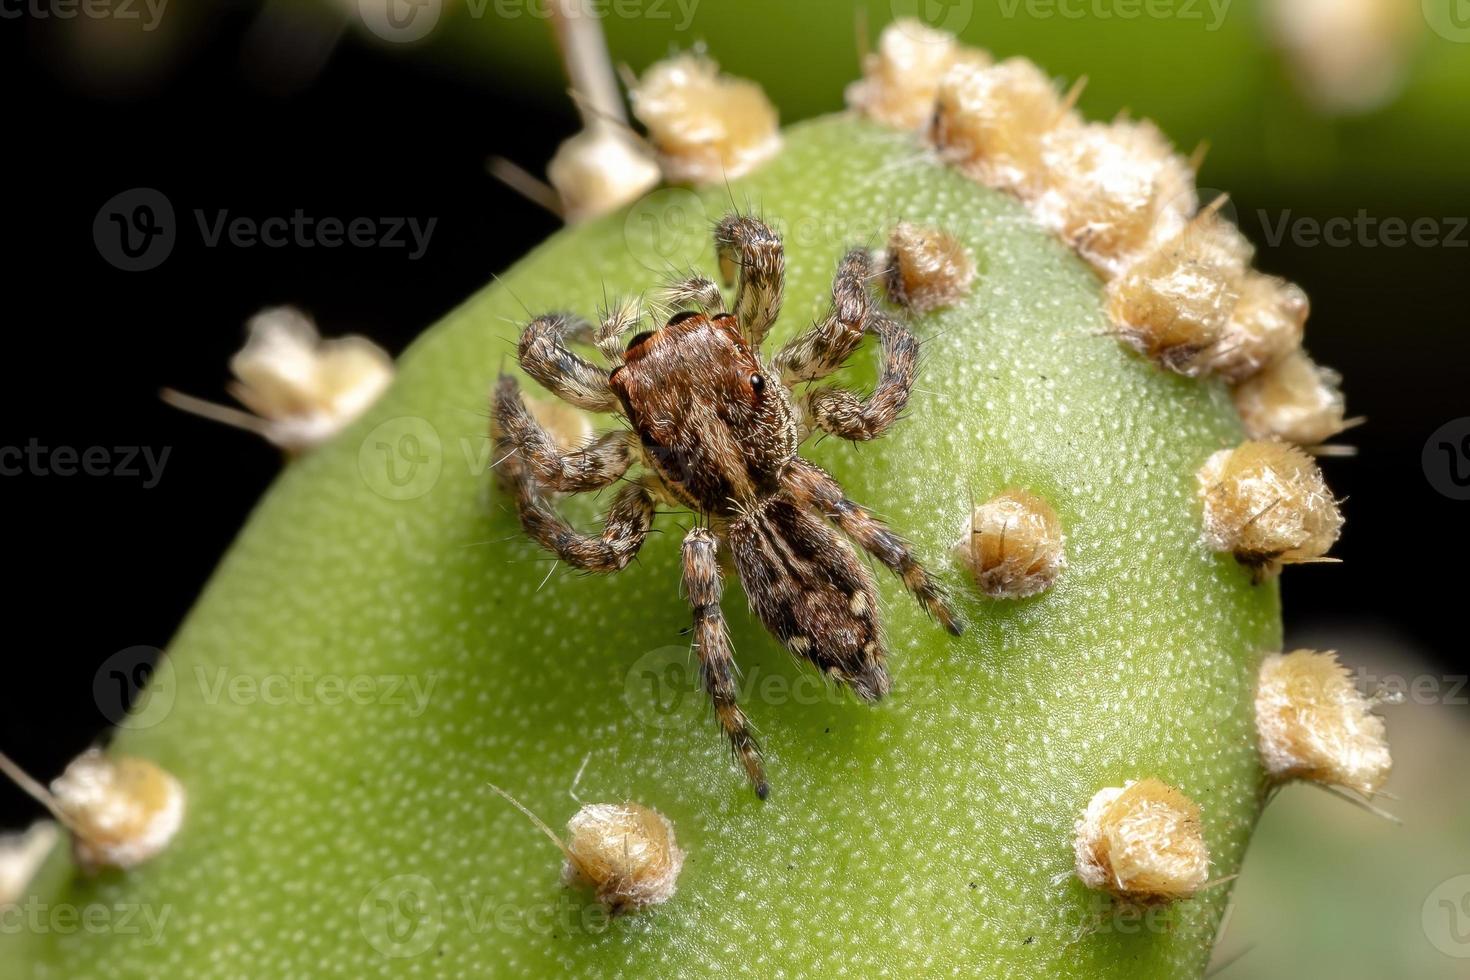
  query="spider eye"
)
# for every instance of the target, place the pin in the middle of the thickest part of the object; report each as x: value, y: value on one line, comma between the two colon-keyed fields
x: 638, y: 339
x: 757, y: 383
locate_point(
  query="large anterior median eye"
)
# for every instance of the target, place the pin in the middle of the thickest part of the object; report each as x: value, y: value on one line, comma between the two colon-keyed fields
x: 638, y: 339
x: 757, y: 383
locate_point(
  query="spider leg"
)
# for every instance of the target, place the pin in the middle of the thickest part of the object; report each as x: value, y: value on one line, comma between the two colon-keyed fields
x: 844, y: 413
x: 624, y: 528
x: 748, y: 246
x: 816, y: 489
x: 703, y: 584
x: 597, y: 464
x: 696, y: 291
x: 827, y: 345
x: 544, y: 355
x: 617, y: 321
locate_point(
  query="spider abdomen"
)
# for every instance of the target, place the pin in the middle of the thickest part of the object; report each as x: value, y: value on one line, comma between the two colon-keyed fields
x: 807, y: 587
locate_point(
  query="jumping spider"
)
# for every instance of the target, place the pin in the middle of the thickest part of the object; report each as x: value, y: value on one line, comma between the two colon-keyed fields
x: 717, y: 430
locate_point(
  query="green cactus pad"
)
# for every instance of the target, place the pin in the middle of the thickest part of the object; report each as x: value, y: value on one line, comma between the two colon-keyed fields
x: 382, y: 643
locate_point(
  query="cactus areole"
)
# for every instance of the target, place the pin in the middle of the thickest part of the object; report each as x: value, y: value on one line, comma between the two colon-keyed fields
x: 351, y: 831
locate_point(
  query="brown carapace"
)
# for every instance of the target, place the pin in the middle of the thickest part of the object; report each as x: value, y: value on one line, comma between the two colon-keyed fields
x: 716, y: 430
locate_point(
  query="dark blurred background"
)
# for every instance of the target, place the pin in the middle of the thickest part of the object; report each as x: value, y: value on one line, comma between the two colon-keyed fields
x: 221, y: 109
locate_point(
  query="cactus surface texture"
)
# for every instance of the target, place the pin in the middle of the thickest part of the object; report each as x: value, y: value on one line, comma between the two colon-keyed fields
x: 341, y: 823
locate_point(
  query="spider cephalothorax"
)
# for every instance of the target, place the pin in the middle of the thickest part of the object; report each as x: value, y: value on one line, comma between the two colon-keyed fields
x: 717, y: 431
